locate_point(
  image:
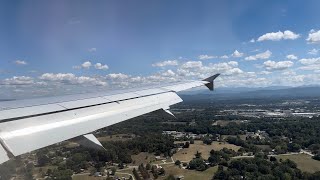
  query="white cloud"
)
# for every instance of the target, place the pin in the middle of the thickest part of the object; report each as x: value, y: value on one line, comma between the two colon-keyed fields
x: 264, y: 72
x: 20, y: 62
x: 69, y: 78
x: 310, y: 64
x: 264, y: 55
x: 191, y: 65
x: 237, y: 54
x: 168, y: 73
x: 281, y: 65
x: 310, y: 61
x: 58, y: 77
x: 166, y: 63
x: 92, y: 49
x: 86, y: 64
x: 198, y: 70
x: 313, y: 36
x: 206, y: 57
x: 313, y: 51
x: 289, y: 73
x: 117, y: 76
x: 233, y: 71
x: 252, y: 41
x: 233, y: 63
x: 292, y: 57
x: 101, y: 66
x: 277, y: 36
x: 18, y: 80
x: 224, y: 57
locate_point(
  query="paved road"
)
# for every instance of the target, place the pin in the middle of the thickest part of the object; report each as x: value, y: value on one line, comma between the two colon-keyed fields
x: 306, y: 152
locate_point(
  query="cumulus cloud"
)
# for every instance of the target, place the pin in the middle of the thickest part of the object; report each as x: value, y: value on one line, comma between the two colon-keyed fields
x: 310, y: 61
x: 198, y: 70
x: 20, y: 62
x: 281, y: 65
x: 166, y: 63
x: 264, y: 72
x: 263, y: 55
x: 86, y: 65
x: 313, y: 36
x: 292, y: 57
x: 233, y: 63
x: 313, y: 51
x: 169, y: 73
x: 310, y: 64
x: 224, y: 57
x: 237, y: 54
x: 252, y: 41
x: 206, y: 57
x: 192, y: 65
x: 277, y: 36
x: 117, y: 76
x: 18, y: 80
x: 101, y: 66
x: 69, y: 78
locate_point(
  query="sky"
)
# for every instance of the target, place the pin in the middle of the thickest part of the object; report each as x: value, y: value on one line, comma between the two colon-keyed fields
x: 64, y: 47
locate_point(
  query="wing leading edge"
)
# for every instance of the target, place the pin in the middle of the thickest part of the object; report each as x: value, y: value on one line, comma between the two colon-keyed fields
x: 27, y: 125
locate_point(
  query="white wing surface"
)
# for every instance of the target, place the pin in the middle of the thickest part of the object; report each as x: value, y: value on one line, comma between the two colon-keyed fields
x: 27, y: 125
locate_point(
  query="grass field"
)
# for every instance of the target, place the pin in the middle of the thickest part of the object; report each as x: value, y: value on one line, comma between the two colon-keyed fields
x: 304, y: 162
x: 142, y: 157
x: 189, y: 174
x: 224, y: 123
x: 188, y: 153
x: 263, y: 147
x: 243, y: 137
x: 85, y: 177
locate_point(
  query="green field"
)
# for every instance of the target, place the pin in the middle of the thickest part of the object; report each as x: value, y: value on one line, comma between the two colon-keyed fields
x: 304, y: 162
x: 142, y: 157
x: 86, y: 177
x: 189, y: 174
x: 187, y: 154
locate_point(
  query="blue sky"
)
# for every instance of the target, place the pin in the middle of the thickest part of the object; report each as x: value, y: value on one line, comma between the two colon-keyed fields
x: 49, y: 45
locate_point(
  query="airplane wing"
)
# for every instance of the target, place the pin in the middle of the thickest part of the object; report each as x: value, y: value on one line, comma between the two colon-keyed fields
x: 27, y: 125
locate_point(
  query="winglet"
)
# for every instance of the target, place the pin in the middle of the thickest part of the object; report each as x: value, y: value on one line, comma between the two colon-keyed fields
x: 210, y: 79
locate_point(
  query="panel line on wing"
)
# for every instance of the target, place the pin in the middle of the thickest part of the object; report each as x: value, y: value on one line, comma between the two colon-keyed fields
x: 53, y: 112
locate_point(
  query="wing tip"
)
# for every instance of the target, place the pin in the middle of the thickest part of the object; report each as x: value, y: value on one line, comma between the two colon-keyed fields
x: 210, y: 80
